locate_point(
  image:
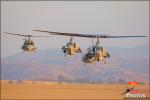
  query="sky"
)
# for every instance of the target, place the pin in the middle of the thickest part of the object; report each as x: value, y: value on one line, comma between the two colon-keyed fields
x: 90, y: 17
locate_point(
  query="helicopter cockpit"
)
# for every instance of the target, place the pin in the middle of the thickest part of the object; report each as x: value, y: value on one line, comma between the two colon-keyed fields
x: 71, y: 48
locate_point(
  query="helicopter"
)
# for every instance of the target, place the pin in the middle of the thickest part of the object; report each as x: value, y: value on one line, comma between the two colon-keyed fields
x: 71, y: 48
x: 28, y: 45
x: 95, y: 53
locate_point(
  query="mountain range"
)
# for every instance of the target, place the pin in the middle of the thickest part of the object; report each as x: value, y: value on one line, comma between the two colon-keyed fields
x: 125, y: 64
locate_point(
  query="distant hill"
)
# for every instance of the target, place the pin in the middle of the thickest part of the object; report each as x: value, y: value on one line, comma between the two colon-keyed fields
x: 125, y: 64
x: 139, y: 51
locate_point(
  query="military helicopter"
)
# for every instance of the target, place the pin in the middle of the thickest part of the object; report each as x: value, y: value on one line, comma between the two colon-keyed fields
x: 71, y: 48
x: 28, y: 45
x: 94, y: 52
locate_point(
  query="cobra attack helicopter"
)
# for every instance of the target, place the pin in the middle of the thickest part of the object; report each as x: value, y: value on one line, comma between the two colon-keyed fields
x: 71, y: 48
x: 28, y: 45
x: 95, y: 53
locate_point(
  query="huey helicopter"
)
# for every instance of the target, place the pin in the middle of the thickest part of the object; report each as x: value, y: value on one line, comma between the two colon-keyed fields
x: 28, y: 45
x: 95, y: 52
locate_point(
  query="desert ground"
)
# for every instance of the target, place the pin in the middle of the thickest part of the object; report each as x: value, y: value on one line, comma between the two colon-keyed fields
x: 53, y: 90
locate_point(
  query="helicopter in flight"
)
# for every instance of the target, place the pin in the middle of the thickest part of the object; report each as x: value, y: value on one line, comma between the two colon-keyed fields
x: 28, y: 45
x: 95, y: 53
x: 71, y: 48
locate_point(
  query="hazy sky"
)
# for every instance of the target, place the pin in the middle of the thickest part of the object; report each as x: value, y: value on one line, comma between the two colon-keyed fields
x: 93, y: 17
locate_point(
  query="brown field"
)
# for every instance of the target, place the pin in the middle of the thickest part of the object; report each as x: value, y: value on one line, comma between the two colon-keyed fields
x: 52, y: 90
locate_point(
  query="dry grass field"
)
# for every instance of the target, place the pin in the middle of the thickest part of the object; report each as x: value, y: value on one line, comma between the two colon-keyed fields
x: 52, y: 90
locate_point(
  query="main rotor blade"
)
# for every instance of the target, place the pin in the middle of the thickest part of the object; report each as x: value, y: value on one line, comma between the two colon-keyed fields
x: 41, y: 36
x: 25, y: 35
x: 58, y: 33
x: 15, y: 34
x: 123, y: 36
x: 85, y: 35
